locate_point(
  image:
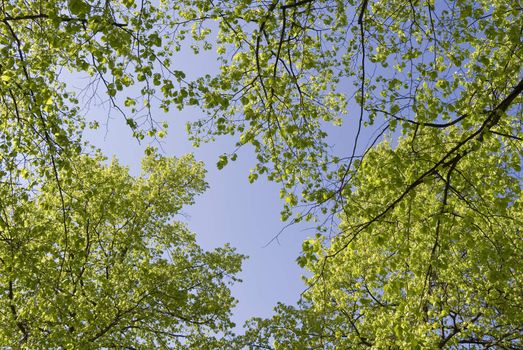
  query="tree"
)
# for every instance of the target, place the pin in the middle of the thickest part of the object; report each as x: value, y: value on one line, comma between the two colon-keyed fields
x: 294, y: 66
x: 103, y: 262
x: 423, y: 255
x: 286, y: 70
x: 439, y: 267
x: 115, y: 44
x: 445, y: 75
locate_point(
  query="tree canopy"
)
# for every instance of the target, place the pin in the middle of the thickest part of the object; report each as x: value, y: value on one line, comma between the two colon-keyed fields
x: 103, y: 262
x: 438, y: 269
x: 286, y: 70
x: 426, y: 239
x: 290, y: 68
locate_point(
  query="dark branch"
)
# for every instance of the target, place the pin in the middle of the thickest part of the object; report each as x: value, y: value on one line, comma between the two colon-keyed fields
x: 362, y: 11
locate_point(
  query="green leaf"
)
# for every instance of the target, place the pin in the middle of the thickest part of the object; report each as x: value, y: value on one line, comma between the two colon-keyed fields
x: 79, y: 7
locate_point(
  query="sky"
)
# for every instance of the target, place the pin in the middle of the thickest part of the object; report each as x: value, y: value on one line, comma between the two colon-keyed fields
x: 232, y: 210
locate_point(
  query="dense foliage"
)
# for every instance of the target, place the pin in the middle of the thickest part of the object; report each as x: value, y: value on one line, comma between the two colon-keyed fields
x: 438, y: 269
x: 427, y: 248
x: 102, y: 262
x: 286, y: 69
x: 291, y: 68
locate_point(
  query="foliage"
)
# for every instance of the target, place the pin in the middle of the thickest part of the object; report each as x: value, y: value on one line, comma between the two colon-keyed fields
x: 50, y: 46
x: 102, y: 262
x: 287, y: 69
x: 438, y: 269
x: 290, y: 68
x: 427, y: 251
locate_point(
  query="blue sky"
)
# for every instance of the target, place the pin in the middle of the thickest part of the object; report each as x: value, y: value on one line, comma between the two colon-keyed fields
x: 232, y: 210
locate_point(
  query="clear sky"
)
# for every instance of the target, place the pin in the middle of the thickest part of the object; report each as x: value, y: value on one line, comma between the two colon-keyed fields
x: 231, y: 210
x: 245, y: 215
